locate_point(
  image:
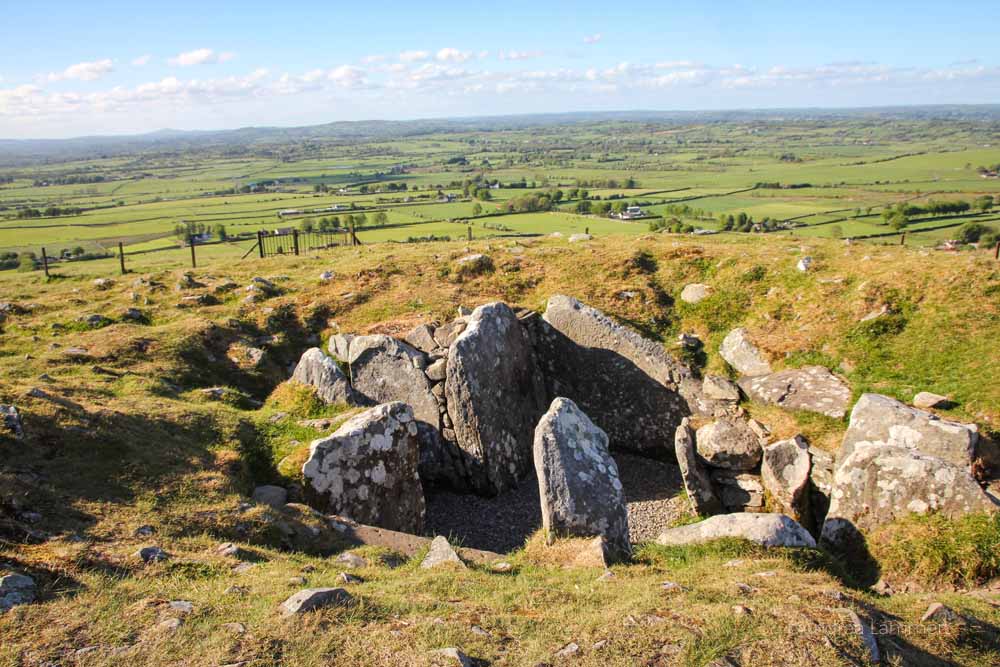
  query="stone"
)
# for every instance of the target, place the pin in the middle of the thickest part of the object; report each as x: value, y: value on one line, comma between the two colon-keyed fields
x: 576, y: 238
x: 740, y: 353
x: 719, y: 388
x: 697, y: 483
x: 133, y: 314
x: 229, y: 550
x: 864, y: 631
x: 695, y: 292
x: 320, y: 371
x: 351, y: 560
x: 339, y: 346
x: 581, y: 494
x: 812, y: 388
x: 182, y: 606
x: 440, y: 554
x: 16, y: 589
x: 785, y: 474
x: 769, y: 530
x: 940, y: 613
x: 347, y: 578
x: 151, y: 554
x: 473, y: 265
x: 568, y: 650
x: 729, y: 443
x: 926, y: 399
x: 438, y: 370
x: 450, y: 656
x: 103, y: 283
x: 367, y: 470
x: 422, y: 338
x: 804, y: 264
x: 631, y: 387
x: 821, y: 466
x: 326, y: 276
x: 310, y: 599
x: 494, y: 397
x: 878, y: 483
x: 885, y: 421
x: 10, y: 421
x: 268, y: 494
x: 738, y: 491
x: 446, y: 334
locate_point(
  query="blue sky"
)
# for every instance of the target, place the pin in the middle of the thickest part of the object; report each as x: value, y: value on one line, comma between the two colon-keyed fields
x: 71, y: 68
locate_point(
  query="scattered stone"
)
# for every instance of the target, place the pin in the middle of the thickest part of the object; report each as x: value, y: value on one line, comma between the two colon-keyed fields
x: 769, y: 530
x: 576, y: 238
x: 926, y: 399
x: 785, y: 473
x: 494, y: 397
x: 502, y: 567
x: 320, y: 371
x: 367, y: 470
x: 672, y: 587
x: 440, y: 554
x: 607, y: 575
x: 16, y: 589
x: 740, y: 353
x: 94, y: 321
x: 812, y: 388
x: 311, y: 599
x: 151, y: 554
x: 10, y: 420
x: 695, y: 292
x: 133, y: 315
x: 878, y: 483
x: 438, y: 370
x: 571, y: 648
x: 326, y: 276
x: 473, y: 265
x: 578, y: 483
x: 451, y: 656
x: 182, y: 606
x: 229, y: 550
x: 169, y: 625
x: 422, y: 338
x: 741, y: 610
x: 804, y: 264
x: 234, y: 628
x: 697, y: 483
x: 446, y: 334
x: 863, y: 630
x: 881, y: 420
x: 347, y: 578
x: 351, y: 560
x: 103, y: 283
x: 268, y: 494
x: 744, y: 589
x: 719, y: 388
x: 297, y: 581
x: 729, y: 443
x: 940, y: 613
x: 145, y: 530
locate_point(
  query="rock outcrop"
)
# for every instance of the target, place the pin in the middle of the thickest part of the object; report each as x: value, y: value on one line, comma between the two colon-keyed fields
x: 697, y: 483
x: 367, y: 470
x: 769, y: 530
x: 729, y: 443
x: 785, y: 473
x: 885, y: 421
x: 320, y: 371
x: 578, y: 483
x: 494, y: 398
x: 740, y: 353
x: 813, y: 388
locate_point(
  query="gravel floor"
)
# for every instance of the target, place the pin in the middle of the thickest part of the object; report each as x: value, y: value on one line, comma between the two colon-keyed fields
x: 503, y: 523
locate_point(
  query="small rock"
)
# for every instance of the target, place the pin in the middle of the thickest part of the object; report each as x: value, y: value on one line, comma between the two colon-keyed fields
x: 351, y: 560
x: 740, y: 353
x: 268, y: 494
x: 804, y: 264
x: 695, y: 292
x: 144, y: 531
x: 169, y: 625
x: 151, y: 554
x: 571, y: 648
x: 326, y: 276
x: 441, y: 553
x: 502, y: 567
x: 451, y: 656
x: 103, y: 283
x: 672, y: 587
x: 347, y: 578
x: 940, y: 613
x: 16, y: 589
x: 926, y: 399
x: 864, y: 630
x: 228, y: 549
x: 476, y: 630
x: 576, y: 238
x: 310, y: 599
x: 10, y: 420
x: 182, y: 606
x: 740, y: 610
x: 234, y: 628
x: 719, y: 388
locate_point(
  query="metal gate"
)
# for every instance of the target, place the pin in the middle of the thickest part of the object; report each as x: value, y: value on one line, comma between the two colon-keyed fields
x: 295, y: 242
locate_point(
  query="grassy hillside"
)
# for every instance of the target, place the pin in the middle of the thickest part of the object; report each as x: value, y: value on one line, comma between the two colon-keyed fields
x: 120, y: 434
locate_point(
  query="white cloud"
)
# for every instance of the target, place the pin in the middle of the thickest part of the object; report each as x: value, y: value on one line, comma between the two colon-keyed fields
x: 142, y: 60
x: 87, y: 71
x: 413, y: 56
x: 347, y: 76
x: 449, y: 54
x: 200, y: 57
x: 371, y: 60
x: 593, y: 39
x: 520, y: 55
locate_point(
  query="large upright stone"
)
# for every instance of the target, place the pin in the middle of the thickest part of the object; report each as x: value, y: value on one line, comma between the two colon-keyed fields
x: 494, y: 397
x: 813, y: 388
x: 578, y: 483
x: 878, y: 483
x: 729, y: 443
x: 740, y: 353
x: 320, y: 371
x: 629, y: 385
x: 697, y: 483
x: 882, y: 420
x: 367, y: 470
x: 785, y: 473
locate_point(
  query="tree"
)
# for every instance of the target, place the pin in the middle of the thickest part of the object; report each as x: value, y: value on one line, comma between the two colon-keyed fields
x: 220, y: 232
x: 381, y: 219
x: 306, y: 225
x: 27, y: 261
x: 477, y: 209
x: 77, y: 251
x: 583, y: 207
x: 972, y: 232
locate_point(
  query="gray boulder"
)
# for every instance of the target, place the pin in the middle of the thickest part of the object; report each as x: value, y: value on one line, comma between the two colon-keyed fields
x: 813, y: 388
x: 630, y: 386
x: 740, y: 353
x: 879, y: 483
x: 729, y: 443
x: 268, y: 494
x: 422, y: 338
x: 446, y: 334
x: 10, y: 421
x: 440, y: 554
x: 367, y: 470
x: 578, y: 483
x: 785, y: 474
x: 320, y: 371
x: 695, y: 292
x: 494, y: 398
x: 339, y: 346
x: 697, y: 483
x: 882, y: 420
x: 718, y: 388
x: 926, y: 399
x: 16, y: 589
x: 310, y: 599
x: 769, y: 530
x: 821, y: 466
x: 738, y: 491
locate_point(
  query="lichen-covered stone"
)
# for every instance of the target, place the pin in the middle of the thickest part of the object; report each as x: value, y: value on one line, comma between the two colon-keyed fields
x: 10, y: 422
x: 813, y: 389
x: 729, y: 443
x: 422, y: 338
x: 697, y: 483
x: 630, y: 386
x: 882, y: 420
x: 578, y: 482
x: 769, y: 530
x: 718, y: 388
x: 879, y: 483
x: 740, y: 353
x: 16, y: 589
x: 339, y: 345
x: 926, y: 399
x: 441, y: 553
x: 494, y: 398
x: 785, y: 474
x: 367, y: 470
x: 695, y: 292
x: 320, y: 371
x: 311, y: 599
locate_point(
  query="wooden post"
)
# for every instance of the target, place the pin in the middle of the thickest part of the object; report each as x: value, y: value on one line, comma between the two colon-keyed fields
x: 295, y: 240
x: 902, y: 239
x: 996, y: 251
x: 194, y: 262
x: 586, y: 230
x: 45, y: 262
x: 260, y: 243
x: 470, y: 232
x: 354, y: 237
x: 121, y: 256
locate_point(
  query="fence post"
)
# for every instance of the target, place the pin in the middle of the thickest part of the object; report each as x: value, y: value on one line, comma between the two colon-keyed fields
x: 121, y: 256
x: 295, y: 240
x: 194, y: 262
x: 902, y: 239
x: 470, y: 232
x: 996, y: 251
x: 260, y: 243
x: 354, y: 238
x: 45, y: 262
